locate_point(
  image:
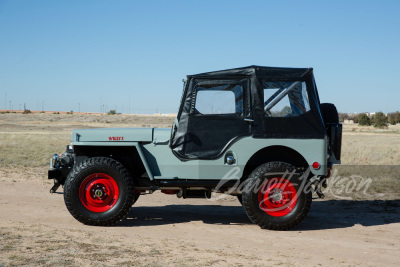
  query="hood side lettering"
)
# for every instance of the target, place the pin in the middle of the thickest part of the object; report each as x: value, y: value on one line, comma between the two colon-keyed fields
x: 116, y: 138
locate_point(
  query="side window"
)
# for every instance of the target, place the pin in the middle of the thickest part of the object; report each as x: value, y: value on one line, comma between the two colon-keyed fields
x: 285, y: 99
x: 219, y: 99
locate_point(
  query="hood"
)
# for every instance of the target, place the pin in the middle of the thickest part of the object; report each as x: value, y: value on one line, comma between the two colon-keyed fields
x: 112, y: 135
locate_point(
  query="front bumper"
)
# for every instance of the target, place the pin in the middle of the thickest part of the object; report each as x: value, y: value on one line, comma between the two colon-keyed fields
x: 60, y: 166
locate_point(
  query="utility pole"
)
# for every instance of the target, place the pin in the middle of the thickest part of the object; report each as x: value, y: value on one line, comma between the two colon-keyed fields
x: 5, y: 101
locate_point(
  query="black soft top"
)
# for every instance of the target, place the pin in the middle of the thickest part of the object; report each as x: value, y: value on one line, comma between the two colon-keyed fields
x: 207, y: 136
x: 258, y: 71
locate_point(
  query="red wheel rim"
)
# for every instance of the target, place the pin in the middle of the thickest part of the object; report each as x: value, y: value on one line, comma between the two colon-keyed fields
x: 277, y: 197
x: 98, y: 192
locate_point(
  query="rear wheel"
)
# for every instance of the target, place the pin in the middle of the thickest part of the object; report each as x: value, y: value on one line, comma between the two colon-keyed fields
x: 99, y: 191
x: 276, y: 197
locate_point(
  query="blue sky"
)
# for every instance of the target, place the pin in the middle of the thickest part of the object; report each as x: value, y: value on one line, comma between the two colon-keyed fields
x: 132, y: 55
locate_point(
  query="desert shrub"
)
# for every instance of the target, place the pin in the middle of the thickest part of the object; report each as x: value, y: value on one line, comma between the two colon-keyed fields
x: 27, y: 111
x: 112, y: 112
x: 364, y: 120
x: 394, y: 117
x: 392, y: 120
x: 71, y: 112
x: 380, y: 120
x: 56, y: 112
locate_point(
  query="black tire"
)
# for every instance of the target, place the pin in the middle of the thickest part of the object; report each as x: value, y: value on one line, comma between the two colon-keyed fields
x: 329, y: 113
x: 88, y: 178
x: 291, y: 212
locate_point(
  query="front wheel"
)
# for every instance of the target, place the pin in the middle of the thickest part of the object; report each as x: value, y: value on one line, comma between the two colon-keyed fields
x: 276, y: 197
x: 99, y: 191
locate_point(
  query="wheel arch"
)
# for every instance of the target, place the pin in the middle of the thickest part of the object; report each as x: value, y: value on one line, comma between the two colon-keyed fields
x: 128, y: 156
x: 274, y: 153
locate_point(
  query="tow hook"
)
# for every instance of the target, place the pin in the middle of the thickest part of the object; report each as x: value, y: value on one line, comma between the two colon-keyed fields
x: 55, y: 186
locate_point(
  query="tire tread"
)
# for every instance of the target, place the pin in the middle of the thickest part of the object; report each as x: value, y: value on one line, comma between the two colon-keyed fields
x: 71, y: 184
x: 249, y: 207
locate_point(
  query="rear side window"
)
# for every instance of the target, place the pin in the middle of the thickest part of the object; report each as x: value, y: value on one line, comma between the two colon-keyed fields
x: 219, y: 99
x: 285, y: 99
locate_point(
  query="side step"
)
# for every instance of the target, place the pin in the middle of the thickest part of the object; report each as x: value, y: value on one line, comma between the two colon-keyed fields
x: 198, y: 183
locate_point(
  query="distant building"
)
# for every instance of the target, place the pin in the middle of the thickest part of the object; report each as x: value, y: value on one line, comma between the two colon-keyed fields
x: 348, y: 122
x: 370, y: 114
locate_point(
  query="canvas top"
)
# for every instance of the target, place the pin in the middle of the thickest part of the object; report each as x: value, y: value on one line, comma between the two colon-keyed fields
x: 258, y: 71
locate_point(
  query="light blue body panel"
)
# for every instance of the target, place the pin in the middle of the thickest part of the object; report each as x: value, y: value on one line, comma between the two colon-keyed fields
x: 165, y: 165
x: 161, y: 163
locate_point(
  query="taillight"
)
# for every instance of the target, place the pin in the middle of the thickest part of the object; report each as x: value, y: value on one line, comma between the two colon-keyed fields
x: 316, y: 165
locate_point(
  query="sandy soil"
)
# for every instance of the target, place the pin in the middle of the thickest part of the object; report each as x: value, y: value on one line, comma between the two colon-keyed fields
x: 160, y: 230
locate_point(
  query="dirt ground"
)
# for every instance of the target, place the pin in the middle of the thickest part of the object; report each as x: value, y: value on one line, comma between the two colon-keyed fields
x: 160, y: 230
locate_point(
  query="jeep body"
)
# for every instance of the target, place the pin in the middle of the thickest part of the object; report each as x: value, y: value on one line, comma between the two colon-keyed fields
x: 232, y: 129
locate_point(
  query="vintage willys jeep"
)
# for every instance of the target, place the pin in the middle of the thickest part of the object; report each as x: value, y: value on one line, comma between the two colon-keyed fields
x: 259, y: 133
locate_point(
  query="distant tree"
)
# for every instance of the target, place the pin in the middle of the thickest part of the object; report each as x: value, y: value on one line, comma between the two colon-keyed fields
x: 355, y: 118
x: 380, y: 120
x: 343, y: 116
x: 394, y: 117
x: 392, y: 120
x: 364, y: 120
x: 112, y: 112
x: 285, y: 111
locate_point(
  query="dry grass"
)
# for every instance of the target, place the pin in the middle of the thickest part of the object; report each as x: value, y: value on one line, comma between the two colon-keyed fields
x: 370, y: 149
x: 30, y: 140
x: 31, y: 149
x: 370, y: 146
x: 368, y: 154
